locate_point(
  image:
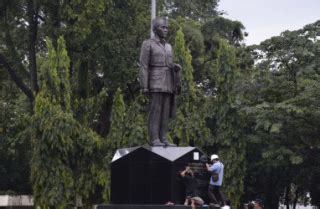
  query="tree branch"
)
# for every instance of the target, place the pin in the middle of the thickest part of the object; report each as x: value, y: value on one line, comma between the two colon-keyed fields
x: 104, y: 121
x: 13, y: 52
x: 16, y: 79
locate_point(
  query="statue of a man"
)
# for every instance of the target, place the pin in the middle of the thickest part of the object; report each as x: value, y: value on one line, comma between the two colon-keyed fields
x: 160, y: 81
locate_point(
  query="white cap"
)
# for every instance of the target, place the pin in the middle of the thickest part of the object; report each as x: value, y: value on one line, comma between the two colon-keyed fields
x: 214, y: 156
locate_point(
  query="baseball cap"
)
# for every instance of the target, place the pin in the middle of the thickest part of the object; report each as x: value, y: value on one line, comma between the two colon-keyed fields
x: 214, y: 156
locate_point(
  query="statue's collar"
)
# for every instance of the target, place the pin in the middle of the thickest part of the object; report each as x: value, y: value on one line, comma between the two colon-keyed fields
x: 158, y: 40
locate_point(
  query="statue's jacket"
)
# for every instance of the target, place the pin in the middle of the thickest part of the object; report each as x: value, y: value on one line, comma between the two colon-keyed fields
x: 156, y: 64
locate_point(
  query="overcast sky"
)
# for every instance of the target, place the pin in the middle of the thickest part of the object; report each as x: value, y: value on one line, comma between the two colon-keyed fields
x: 266, y: 18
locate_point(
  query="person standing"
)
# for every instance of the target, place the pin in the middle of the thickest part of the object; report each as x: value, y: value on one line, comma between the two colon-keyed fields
x: 160, y: 80
x: 216, y: 169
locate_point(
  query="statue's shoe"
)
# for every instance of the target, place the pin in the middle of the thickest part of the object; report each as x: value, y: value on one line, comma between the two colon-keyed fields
x: 167, y: 143
x: 157, y: 143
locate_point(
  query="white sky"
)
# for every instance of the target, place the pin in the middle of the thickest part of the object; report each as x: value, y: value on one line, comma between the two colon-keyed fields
x: 266, y: 18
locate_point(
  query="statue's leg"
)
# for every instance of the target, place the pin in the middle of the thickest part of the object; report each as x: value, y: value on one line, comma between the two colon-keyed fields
x: 154, y: 117
x: 165, y: 115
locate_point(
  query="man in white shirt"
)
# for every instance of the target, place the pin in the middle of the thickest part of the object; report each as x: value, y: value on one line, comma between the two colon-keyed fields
x: 216, y: 169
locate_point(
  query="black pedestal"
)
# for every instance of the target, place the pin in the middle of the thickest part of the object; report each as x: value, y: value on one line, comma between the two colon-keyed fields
x: 150, y: 175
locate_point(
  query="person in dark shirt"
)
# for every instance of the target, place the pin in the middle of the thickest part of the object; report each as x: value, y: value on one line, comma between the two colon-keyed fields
x: 192, y: 196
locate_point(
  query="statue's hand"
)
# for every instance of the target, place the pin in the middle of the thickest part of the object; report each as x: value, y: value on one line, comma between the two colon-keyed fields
x: 177, y: 67
x: 145, y: 92
x: 178, y: 89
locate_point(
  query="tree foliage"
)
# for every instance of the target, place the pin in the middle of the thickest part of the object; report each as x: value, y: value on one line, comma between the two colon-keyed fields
x: 63, y: 150
x: 197, y: 10
x: 226, y: 121
x: 283, y: 113
x: 14, y: 141
x: 184, y: 128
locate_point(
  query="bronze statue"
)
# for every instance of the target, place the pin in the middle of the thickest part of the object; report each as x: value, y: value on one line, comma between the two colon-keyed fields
x: 160, y: 81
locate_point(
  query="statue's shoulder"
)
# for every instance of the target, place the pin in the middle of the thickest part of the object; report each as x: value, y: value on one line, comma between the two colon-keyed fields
x: 147, y: 41
x: 146, y: 44
x: 168, y: 45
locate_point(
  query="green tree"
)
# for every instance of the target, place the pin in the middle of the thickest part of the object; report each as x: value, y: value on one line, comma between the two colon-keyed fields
x: 283, y: 115
x: 184, y: 127
x: 64, y: 152
x: 117, y: 131
x: 114, y: 52
x: 197, y: 10
x: 221, y: 27
x: 227, y: 122
x: 128, y: 122
x: 14, y: 143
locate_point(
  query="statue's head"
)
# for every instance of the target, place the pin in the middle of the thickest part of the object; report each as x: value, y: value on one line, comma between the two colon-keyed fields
x: 160, y: 27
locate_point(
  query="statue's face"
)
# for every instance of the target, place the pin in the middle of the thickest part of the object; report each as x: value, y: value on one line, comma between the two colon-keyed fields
x: 162, y: 29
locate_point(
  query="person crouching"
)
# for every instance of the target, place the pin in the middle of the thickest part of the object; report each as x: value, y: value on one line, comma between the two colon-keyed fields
x: 192, y: 196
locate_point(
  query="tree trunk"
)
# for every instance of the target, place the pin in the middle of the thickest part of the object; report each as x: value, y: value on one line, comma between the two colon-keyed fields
x: 287, y: 199
x: 55, y: 20
x: 83, y: 79
x: 272, y: 200
x: 15, y: 67
x: 105, y: 116
x: 295, y: 201
x: 32, y: 13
